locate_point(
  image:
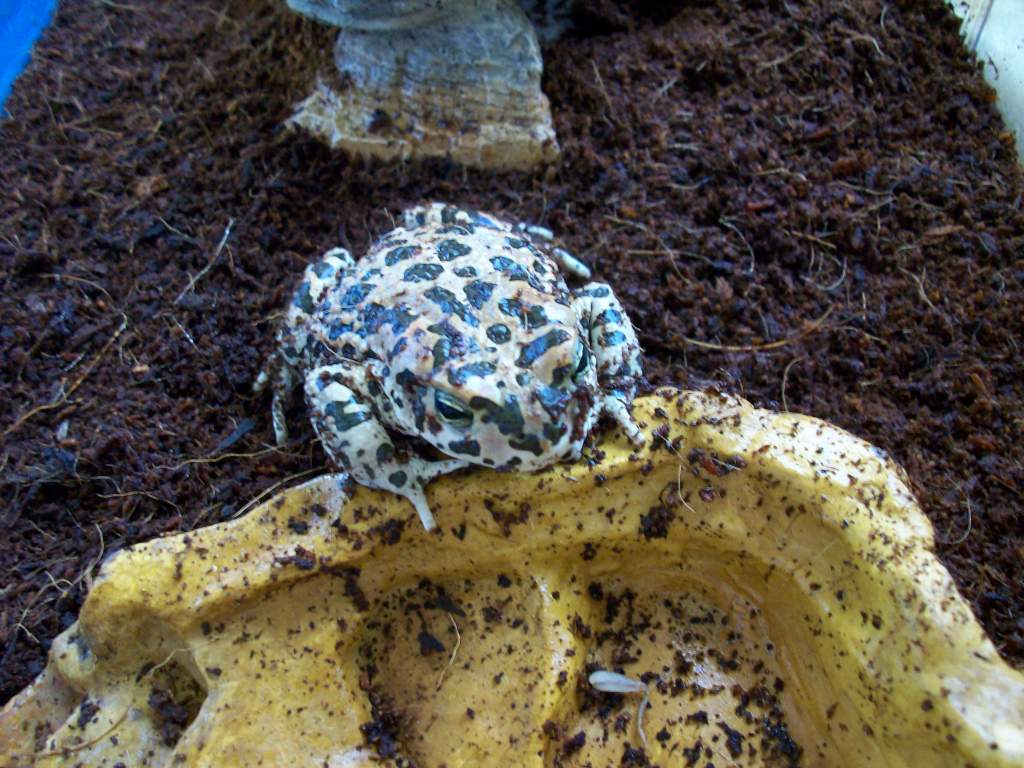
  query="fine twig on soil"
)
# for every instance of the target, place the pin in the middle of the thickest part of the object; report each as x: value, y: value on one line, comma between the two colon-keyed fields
x: 783, y: 172
x: 834, y: 285
x: 785, y: 376
x: 220, y: 457
x: 782, y: 59
x: 665, y: 88
x: 66, y: 394
x: 75, y: 278
x: 812, y: 238
x: 665, y: 250
x: 213, y: 260
x: 852, y: 35
x: 86, y: 573
x: 761, y: 347
x: 920, y: 286
x: 970, y: 523
x: 610, y: 117
x: 726, y: 223
x: 183, y: 235
x: 147, y: 494
x: 259, y: 497
x: 118, y: 6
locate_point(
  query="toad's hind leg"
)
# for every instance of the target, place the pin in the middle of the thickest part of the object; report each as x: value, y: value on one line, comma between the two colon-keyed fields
x: 617, y: 353
x: 282, y: 371
x: 357, y: 441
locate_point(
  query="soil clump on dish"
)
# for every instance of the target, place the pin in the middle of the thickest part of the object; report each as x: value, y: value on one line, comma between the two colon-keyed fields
x: 817, y: 208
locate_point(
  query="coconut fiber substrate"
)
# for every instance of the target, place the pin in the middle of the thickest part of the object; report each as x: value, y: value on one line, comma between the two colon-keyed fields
x: 813, y: 205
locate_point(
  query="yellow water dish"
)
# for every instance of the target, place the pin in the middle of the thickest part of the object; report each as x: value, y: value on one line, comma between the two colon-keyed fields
x: 760, y: 588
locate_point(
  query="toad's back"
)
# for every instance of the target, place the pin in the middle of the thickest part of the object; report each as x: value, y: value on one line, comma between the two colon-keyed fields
x: 455, y: 300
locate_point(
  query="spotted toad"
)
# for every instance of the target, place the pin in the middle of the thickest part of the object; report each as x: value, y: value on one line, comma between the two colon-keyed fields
x: 459, y: 329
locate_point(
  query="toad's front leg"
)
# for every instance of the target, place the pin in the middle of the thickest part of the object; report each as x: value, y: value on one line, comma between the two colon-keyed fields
x: 356, y: 440
x: 617, y: 353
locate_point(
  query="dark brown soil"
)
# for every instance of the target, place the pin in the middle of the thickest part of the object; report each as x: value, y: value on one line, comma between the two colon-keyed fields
x: 827, y: 189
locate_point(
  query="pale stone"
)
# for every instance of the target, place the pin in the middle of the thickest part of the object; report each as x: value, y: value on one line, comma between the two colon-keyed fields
x: 435, y: 78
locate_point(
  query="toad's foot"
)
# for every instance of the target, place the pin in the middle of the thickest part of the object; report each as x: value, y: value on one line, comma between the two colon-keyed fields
x: 408, y: 481
x: 616, y: 350
x: 616, y: 407
x: 357, y: 441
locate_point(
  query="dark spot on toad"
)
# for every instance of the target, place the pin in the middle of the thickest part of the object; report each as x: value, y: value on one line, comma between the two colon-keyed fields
x: 398, y: 317
x: 352, y: 588
x: 575, y: 744
x: 355, y: 295
x: 529, y: 443
x: 530, y: 316
x: 344, y: 421
x: 554, y: 401
x: 482, y: 221
x: 554, y: 432
x: 337, y: 328
x: 323, y: 270
x: 608, y: 317
x: 303, y: 300
x: 613, y: 338
x: 457, y: 377
x: 633, y: 756
x: 478, y: 293
x: 531, y: 352
x: 507, y: 417
x: 422, y: 273
x: 86, y: 711
x: 447, y: 250
x: 499, y: 333
x: 446, y: 300
x: 400, y: 254
x: 465, y: 447
x: 515, y: 272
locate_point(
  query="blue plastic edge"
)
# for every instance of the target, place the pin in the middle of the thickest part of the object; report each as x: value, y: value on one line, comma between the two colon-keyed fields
x: 21, y: 23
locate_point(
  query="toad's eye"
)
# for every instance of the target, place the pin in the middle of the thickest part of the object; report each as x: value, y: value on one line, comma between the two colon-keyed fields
x: 581, y: 359
x: 452, y: 410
